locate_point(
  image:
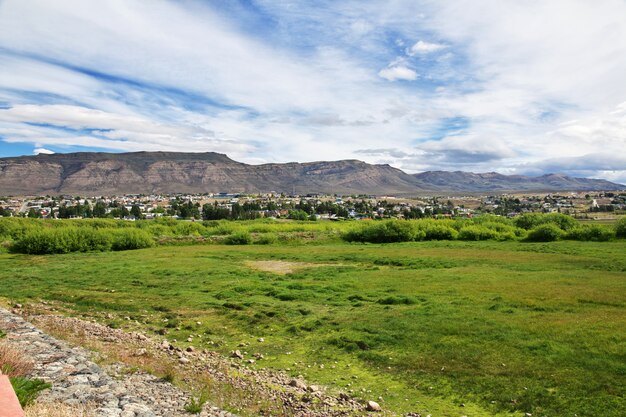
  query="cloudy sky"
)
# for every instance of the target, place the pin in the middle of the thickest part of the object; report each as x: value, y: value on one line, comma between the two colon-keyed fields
x: 519, y: 86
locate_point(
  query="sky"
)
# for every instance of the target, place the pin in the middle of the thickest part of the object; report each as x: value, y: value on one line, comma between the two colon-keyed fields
x: 514, y: 86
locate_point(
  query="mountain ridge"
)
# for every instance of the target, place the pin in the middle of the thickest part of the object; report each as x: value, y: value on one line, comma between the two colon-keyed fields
x: 101, y: 173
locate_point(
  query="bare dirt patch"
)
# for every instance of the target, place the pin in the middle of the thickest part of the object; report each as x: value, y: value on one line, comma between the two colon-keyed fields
x: 282, y: 267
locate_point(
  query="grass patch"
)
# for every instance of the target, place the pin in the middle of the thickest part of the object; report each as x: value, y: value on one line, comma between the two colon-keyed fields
x: 438, y: 322
x: 27, y: 390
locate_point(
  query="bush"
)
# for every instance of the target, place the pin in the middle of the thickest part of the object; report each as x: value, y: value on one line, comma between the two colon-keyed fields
x: 128, y: 239
x: 185, y: 228
x: 545, y: 233
x: 266, y: 239
x: 596, y: 233
x: 382, y: 232
x: 620, y: 228
x: 532, y: 220
x: 477, y: 233
x: 238, y: 238
x: 62, y: 240
x: 439, y: 232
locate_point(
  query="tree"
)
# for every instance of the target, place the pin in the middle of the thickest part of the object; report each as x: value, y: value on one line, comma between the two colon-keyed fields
x: 33, y: 214
x: 135, y: 211
x: 99, y: 210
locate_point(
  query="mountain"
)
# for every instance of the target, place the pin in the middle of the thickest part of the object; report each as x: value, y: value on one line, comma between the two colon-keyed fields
x: 171, y: 172
x: 459, y: 181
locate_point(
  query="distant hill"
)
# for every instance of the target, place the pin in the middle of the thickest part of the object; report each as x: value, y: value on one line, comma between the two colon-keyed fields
x: 171, y: 172
x: 495, y: 182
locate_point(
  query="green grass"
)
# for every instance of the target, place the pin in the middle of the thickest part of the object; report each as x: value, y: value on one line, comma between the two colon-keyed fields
x: 28, y: 389
x: 195, y: 404
x: 504, y: 327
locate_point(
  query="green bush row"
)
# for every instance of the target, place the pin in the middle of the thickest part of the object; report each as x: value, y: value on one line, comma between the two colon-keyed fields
x: 74, y: 239
x: 54, y: 236
x: 529, y: 227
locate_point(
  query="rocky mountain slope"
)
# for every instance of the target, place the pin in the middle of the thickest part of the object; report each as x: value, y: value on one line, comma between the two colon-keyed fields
x: 494, y: 182
x: 170, y: 172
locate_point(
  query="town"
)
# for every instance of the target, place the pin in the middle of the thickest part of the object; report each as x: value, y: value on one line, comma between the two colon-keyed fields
x: 589, y: 205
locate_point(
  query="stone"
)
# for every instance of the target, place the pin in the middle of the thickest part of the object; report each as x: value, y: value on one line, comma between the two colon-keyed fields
x: 373, y: 406
x: 236, y: 354
x: 184, y: 360
x: 297, y: 383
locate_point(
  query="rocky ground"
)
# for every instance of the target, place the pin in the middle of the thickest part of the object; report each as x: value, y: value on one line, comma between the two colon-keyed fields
x: 119, y: 385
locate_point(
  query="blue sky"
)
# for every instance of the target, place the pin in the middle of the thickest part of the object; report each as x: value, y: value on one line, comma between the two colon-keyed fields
x: 483, y: 85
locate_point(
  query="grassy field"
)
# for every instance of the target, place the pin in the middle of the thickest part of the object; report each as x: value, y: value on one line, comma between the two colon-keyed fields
x: 504, y: 328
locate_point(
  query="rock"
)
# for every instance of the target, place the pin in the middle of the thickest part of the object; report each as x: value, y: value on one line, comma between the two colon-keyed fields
x: 190, y: 349
x: 372, y: 406
x: 140, y: 352
x: 261, y: 339
x: 236, y: 354
x: 184, y: 360
x: 17, y: 306
x: 314, y: 388
x: 297, y: 383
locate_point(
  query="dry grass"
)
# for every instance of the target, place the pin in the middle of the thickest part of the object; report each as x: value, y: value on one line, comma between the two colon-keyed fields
x: 57, y: 409
x: 13, y: 362
x: 282, y: 267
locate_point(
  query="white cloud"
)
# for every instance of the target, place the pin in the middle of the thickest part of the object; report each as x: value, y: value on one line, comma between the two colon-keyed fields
x: 423, y: 47
x: 397, y: 73
x: 45, y: 151
x: 308, y: 86
x: 107, y: 130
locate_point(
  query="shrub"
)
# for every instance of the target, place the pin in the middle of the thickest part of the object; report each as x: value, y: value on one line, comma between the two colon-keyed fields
x: 238, y: 238
x: 545, y: 233
x: 439, y: 232
x: 127, y: 239
x: 532, y: 220
x: 382, y: 232
x: 477, y: 233
x: 266, y: 239
x: 596, y: 233
x: 185, y: 228
x: 62, y: 240
x: 620, y: 228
